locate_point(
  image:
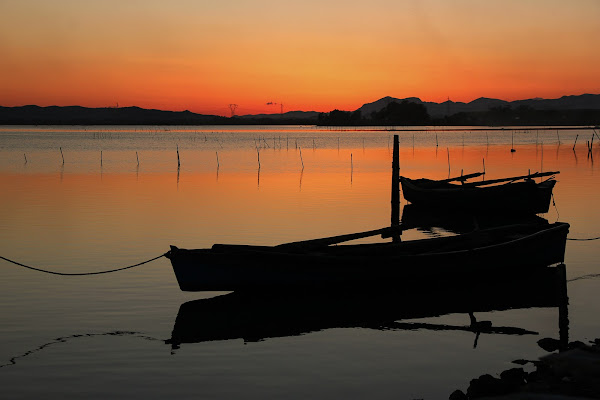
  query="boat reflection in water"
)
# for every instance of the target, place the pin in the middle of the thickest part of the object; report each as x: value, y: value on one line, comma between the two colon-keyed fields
x: 255, y: 316
x: 432, y: 220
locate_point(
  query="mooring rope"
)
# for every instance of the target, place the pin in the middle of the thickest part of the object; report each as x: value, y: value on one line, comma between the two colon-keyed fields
x: 81, y: 273
x: 594, y: 238
x: 65, y: 339
x: 589, y: 276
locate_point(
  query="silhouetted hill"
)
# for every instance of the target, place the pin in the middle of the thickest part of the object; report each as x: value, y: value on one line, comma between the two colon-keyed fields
x: 447, y: 108
x: 582, y: 109
x: 76, y: 115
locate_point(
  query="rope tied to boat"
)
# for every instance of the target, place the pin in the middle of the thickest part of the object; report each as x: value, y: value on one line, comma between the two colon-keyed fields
x: 81, y: 273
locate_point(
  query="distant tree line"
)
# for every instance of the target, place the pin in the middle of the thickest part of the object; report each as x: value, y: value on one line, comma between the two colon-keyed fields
x: 403, y: 113
x: 412, y: 114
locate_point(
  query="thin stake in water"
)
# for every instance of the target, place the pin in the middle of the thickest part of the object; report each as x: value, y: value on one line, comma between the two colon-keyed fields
x: 178, y: 163
x: 217, y: 159
x: 575, y: 141
x: 512, y: 145
x: 62, y: 155
x: 137, y: 158
x: 302, y: 161
x: 25, y: 158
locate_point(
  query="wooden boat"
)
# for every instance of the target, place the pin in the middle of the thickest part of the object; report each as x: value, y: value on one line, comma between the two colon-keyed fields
x: 519, y: 194
x: 319, y: 263
x: 260, y: 315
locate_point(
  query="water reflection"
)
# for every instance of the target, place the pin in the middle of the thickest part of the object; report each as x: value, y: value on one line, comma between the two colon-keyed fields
x: 258, y: 316
x: 433, y: 221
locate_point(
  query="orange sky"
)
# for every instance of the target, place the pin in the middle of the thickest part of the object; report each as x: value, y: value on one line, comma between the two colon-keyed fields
x: 202, y: 55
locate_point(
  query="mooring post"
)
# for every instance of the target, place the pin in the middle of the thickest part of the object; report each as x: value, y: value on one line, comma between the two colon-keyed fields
x: 396, y: 189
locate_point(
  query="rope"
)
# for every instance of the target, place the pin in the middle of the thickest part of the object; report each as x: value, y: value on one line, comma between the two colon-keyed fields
x: 65, y: 339
x: 81, y: 273
x: 590, y: 276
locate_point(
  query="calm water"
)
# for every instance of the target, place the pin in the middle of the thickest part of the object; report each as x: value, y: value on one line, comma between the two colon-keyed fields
x: 103, y: 336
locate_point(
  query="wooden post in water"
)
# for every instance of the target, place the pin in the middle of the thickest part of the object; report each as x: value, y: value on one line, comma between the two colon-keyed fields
x: 396, y: 188
x: 61, y: 154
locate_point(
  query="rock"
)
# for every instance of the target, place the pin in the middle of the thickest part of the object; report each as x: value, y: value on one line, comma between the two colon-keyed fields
x: 458, y: 395
x: 578, y: 345
x: 487, y: 385
x: 514, y: 376
x: 549, y: 344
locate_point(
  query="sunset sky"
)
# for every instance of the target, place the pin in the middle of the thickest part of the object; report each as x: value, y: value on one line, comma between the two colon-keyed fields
x: 309, y: 55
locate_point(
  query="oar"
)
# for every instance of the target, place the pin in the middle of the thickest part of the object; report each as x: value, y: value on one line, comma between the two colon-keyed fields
x: 323, y: 242
x: 514, y: 178
x: 461, y: 178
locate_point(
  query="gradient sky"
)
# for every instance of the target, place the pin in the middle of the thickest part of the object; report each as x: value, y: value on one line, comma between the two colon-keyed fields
x: 309, y: 55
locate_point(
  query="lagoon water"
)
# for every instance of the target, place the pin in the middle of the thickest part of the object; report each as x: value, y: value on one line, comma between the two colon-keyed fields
x: 119, y: 198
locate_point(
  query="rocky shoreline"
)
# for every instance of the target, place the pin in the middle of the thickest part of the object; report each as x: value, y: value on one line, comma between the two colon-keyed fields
x: 570, y: 372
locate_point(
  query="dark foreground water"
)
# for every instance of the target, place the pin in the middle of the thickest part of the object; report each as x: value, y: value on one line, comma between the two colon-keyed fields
x: 106, y: 207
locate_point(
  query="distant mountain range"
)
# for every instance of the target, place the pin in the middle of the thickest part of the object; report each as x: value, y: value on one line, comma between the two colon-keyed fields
x: 447, y: 108
x: 76, y: 115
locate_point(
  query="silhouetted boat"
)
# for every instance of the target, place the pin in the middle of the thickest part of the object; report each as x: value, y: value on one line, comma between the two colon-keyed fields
x: 519, y: 194
x: 374, y: 265
x: 258, y: 315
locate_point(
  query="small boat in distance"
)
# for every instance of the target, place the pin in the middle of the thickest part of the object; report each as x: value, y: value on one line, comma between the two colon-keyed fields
x: 320, y: 263
x: 519, y: 194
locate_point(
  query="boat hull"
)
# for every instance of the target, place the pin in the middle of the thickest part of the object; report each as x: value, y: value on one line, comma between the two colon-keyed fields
x: 520, y: 197
x: 470, y: 256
